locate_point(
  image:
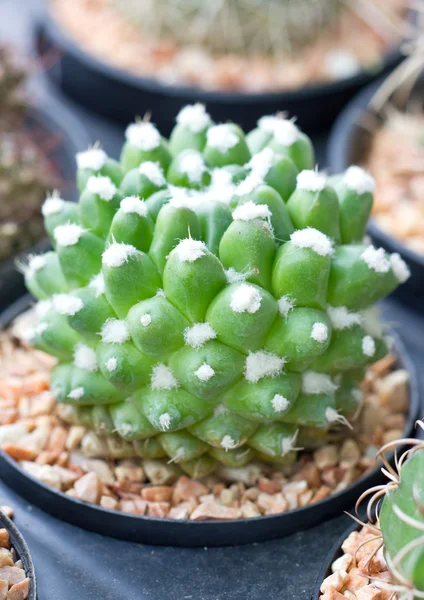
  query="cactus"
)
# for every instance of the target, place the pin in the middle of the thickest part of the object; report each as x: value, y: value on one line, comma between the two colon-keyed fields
x: 233, y: 26
x: 25, y: 173
x: 400, y: 519
x: 215, y: 314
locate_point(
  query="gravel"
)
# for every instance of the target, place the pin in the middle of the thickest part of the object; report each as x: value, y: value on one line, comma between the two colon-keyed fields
x: 46, y: 447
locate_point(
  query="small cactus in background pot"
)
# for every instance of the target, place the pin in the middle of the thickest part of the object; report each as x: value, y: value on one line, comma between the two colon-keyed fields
x: 25, y: 172
x: 208, y: 298
x: 234, y: 26
x: 399, y: 508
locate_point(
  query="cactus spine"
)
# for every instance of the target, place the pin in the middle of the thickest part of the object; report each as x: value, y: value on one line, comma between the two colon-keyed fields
x: 201, y: 298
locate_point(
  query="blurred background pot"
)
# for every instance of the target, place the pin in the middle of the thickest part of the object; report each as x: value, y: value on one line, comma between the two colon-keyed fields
x: 120, y: 88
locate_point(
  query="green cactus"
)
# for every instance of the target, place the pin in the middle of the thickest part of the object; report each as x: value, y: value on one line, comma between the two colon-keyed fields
x: 213, y: 315
x: 400, y: 518
x: 233, y: 26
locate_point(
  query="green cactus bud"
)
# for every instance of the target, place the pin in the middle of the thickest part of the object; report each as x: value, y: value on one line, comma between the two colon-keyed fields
x: 129, y: 421
x: 122, y: 364
x: 276, y: 441
x: 233, y: 458
x: 214, y: 218
x: 175, y: 222
x: 312, y: 202
x: 289, y: 141
x: 268, y: 399
x: 144, y: 143
x: 157, y: 327
x: 273, y: 170
x: 168, y: 406
x: 282, y: 176
x: 206, y: 371
x: 261, y: 136
x: 79, y: 252
x: 300, y: 335
x: 248, y: 245
x: 98, y: 203
x: 236, y: 172
x: 129, y: 276
x: 132, y: 224
x: 60, y: 383
x: 349, y: 349
x: 225, y: 145
x: 199, y: 467
x: 155, y: 202
x: 102, y: 420
x: 316, y: 404
x: 362, y: 275
x: 302, y: 269
x: 89, y: 387
x: 57, y: 211
x: 312, y: 437
x: 224, y: 430
x: 71, y: 414
x: 348, y: 395
x: 241, y: 315
x: 43, y: 275
x: 149, y: 448
x: 85, y: 416
x: 119, y: 448
x: 355, y: 191
x: 86, y: 309
x: 93, y: 162
x: 181, y: 446
x: 144, y: 181
x: 53, y: 334
x: 189, y: 170
x: 190, y: 131
x: 313, y: 410
x: 191, y: 267
x: 279, y: 216
x: 195, y: 320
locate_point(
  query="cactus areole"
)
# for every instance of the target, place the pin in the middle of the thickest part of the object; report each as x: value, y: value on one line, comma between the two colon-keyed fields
x: 208, y: 297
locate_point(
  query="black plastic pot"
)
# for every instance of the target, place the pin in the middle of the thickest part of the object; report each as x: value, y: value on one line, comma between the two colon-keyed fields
x: 50, y: 120
x: 22, y: 551
x: 334, y: 554
x: 191, y: 533
x: 121, y: 95
x: 348, y: 144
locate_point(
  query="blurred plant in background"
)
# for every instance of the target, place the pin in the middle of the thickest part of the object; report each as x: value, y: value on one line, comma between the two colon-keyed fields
x: 233, y: 26
x: 25, y: 172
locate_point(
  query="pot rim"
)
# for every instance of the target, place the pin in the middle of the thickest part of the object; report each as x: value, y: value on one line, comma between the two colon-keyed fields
x: 19, y: 544
x: 333, y: 554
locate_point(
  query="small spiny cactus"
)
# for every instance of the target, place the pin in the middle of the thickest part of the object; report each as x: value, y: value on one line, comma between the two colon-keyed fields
x: 400, y: 520
x: 207, y: 298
